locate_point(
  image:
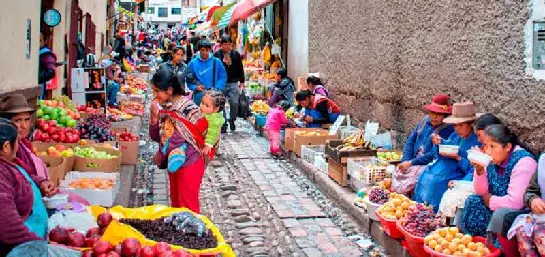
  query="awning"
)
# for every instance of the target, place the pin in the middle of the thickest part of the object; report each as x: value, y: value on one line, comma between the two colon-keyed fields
x: 219, y: 12
x: 211, y: 12
x: 225, y: 20
x: 245, y: 8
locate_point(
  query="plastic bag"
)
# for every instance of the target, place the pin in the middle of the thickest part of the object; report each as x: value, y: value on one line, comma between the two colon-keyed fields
x: 404, y: 182
x: 117, y: 232
x: 80, y: 221
x: 42, y: 249
x: 243, y: 106
x: 455, y: 198
x: 383, y: 141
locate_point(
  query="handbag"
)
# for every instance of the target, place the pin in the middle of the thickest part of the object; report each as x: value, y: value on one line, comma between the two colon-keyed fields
x: 244, y: 105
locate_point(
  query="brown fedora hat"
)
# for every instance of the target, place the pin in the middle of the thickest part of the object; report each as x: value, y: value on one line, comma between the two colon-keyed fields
x: 461, y: 113
x: 14, y: 104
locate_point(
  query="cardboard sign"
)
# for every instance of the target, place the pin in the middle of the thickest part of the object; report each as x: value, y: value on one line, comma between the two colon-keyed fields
x: 335, y: 127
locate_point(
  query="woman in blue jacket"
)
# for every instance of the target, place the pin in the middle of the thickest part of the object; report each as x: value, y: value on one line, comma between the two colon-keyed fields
x: 434, y: 180
x: 418, y: 147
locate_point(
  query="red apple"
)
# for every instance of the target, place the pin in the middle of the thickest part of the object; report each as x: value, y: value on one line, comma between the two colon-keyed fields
x: 113, y: 254
x: 165, y: 254
x: 102, y: 247
x: 146, y: 251
x: 58, y: 235
x: 181, y: 253
x: 51, y: 130
x: 87, y: 254
x: 93, y: 232
x: 161, y: 247
x: 52, y: 123
x: 90, y: 242
x: 55, y: 137
x: 104, y: 219
x: 76, y: 240
x: 130, y: 247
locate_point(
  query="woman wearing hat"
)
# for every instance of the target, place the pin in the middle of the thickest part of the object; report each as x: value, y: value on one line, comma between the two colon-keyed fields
x: 446, y: 167
x: 16, y: 109
x: 417, y: 152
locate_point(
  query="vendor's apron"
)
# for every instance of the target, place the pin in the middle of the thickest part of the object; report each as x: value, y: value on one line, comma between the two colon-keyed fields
x: 37, y: 220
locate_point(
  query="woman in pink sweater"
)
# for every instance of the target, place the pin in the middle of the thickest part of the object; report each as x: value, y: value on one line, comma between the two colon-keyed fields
x: 502, y: 184
x: 276, y: 119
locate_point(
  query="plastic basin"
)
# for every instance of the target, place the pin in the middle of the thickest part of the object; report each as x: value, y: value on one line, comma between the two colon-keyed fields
x: 414, y: 244
x: 389, y: 227
x: 494, y: 252
x: 371, y: 208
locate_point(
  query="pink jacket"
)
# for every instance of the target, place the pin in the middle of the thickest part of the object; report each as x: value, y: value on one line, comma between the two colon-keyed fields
x: 276, y: 118
x: 520, y: 178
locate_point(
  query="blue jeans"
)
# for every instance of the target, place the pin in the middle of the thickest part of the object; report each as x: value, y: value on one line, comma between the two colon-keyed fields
x: 111, y: 91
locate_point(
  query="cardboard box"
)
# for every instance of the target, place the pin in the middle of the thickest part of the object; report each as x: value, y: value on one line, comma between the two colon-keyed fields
x: 322, y: 139
x: 103, y: 197
x: 129, y: 152
x: 68, y: 161
x: 290, y: 137
x: 103, y: 165
x: 337, y: 172
x: 56, y: 169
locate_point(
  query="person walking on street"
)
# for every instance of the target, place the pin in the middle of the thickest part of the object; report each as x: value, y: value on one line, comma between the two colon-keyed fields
x: 205, y: 72
x: 119, y: 46
x: 177, y: 65
x: 47, y: 66
x: 232, y: 62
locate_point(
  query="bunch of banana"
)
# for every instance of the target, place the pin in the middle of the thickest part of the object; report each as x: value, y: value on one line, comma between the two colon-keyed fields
x: 354, y: 142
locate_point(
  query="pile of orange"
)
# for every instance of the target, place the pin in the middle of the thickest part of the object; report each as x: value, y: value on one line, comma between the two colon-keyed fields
x: 92, y: 183
x: 450, y: 241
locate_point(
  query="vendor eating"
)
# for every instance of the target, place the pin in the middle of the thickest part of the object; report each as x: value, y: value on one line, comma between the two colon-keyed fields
x: 434, y: 180
x: 21, y: 207
x: 319, y: 110
x: 417, y: 152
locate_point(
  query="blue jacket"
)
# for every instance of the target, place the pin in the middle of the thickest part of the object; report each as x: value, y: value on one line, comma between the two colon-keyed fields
x: 433, y: 182
x: 420, y: 141
x: 202, y: 71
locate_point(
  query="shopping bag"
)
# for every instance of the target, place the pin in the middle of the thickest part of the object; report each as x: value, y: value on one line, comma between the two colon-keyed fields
x: 244, y: 105
x: 117, y: 232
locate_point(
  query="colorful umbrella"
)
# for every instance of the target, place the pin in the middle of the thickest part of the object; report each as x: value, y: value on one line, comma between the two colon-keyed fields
x: 245, y: 8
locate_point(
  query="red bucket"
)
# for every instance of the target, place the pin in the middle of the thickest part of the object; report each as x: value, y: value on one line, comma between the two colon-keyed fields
x: 414, y: 244
x: 389, y: 227
x: 494, y: 252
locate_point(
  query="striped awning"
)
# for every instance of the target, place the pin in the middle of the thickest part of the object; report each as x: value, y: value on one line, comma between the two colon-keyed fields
x: 225, y: 20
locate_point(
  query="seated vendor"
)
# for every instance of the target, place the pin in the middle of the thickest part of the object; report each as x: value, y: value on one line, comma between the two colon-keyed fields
x: 417, y: 152
x: 316, y: 85
x: 500, y: 185
x: 283, y: 89
x: 23, y: 212
x: 319, y: 109
x: 433, y: 182
x: 530, y: 228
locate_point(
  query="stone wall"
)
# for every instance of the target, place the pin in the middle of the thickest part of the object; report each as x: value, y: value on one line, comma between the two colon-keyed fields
x: 385, y: 59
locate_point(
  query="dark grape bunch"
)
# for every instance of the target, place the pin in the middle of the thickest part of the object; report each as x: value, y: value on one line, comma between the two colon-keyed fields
x: 160, y: 231
x: 97, y: 128
x: 379, y: 195
x: 421, y: 220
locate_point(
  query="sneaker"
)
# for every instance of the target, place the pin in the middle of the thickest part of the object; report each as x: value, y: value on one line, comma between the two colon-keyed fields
x: 232, y: 125
x: 224, y: 129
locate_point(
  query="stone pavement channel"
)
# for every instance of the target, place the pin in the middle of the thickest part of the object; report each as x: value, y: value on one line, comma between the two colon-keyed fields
x: 263, y: 209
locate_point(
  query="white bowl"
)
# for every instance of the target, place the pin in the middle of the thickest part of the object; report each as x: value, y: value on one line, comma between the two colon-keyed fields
x: 479, y: 157
x: 449, y: 149
x: 371, y: 208
x: 54, y: 201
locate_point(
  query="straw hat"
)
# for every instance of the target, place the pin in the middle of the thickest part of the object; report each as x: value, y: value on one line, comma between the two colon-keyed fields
x: 462, y: 113
x: 14, y: 104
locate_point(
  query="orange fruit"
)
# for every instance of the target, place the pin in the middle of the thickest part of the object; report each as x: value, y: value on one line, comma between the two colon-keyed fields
x: 432, y: 244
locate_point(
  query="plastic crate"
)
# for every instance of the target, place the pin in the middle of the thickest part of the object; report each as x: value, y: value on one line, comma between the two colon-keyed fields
x: 369, y: 170
x: 320, y: 162
x: 104, y: 197
x: 346, y: 131
x: 309, y: 152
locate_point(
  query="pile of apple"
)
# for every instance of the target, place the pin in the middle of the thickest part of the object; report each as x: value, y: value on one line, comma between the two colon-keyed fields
x: 67, y: 236
x: 135, y: 82
x: 50, y: 131
x: 126, y: 136
x: 57, y: 151
x: 57, y: 111
x: 89, y: 109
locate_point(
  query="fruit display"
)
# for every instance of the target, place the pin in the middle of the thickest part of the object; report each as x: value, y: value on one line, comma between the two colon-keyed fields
x: 50, y: 131
x: 91, y: 152
x: 116, y: 115
x: 131, y: 90
x: 450, y: 241
x: 379, y: 195
x: 97, y: 128
x: 309, y: 133
x: 354, y: 142
x: 260, y: 107
x: 396, y: 208
x: 175, y: 231
x: 389, y: 156
x: 420, y: 220
x: 126, y: 136
x: 136, y: 82
x: 92, y: 183
x: 132, y: 108
x: 57, y: 151
x: 58, y: 112
x: 89, y: 109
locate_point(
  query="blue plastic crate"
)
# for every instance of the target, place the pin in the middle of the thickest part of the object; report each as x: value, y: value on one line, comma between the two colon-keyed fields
x: 260, y: 120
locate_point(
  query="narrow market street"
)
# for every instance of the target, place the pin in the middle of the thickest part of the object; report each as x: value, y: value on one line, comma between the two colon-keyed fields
x: 266, y: 206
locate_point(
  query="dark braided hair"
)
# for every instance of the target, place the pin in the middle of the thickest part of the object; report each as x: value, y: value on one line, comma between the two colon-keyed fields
x: 218, y: 98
